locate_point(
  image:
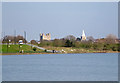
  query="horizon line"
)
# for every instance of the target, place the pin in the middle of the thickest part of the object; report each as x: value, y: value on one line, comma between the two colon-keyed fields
x: 60, y: 1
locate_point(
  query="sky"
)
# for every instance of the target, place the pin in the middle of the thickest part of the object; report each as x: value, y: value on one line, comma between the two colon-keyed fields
x: 97, y: 19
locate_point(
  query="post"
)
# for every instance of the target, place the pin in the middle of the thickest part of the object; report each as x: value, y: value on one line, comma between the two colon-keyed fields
x: 15, y: 37
x: 19, y: 47
x: 31, y: 45
x: 7, y: 45
x: 7, y: 48
x: 25, y: 36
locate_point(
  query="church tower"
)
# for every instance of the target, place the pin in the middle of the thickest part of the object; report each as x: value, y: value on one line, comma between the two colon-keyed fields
x: 45, y: 37
x: 83, y: 37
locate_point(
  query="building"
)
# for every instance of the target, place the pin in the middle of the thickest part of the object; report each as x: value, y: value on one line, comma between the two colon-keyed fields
x: 83, y: 37
x: 20, y: 42
x: 104, y: 40
x: 45, y: 36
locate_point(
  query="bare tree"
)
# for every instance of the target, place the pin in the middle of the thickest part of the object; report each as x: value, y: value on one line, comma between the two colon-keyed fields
x: 6, y: 38
x: 70, y: 37
x: 33, y: 42
x: 110, y: 38
x: 90, y: 38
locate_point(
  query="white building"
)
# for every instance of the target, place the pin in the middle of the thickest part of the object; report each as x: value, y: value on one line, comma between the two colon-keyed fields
x: 83, y: 37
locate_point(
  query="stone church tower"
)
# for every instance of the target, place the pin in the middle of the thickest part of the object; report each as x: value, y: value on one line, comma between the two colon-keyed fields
x: 83, y: 37
x: 45, y: 36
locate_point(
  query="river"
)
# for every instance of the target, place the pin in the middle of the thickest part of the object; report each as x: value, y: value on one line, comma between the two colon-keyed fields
x: 61, y: 67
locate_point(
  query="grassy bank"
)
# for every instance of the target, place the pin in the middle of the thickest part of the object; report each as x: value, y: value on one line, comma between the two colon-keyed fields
x: 16, y: 49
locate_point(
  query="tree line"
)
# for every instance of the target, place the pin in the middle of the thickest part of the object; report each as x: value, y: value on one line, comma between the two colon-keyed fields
x: 109, y: 43
x: 13, y: 39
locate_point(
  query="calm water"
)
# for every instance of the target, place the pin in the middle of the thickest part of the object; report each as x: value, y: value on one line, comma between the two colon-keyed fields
x: 61, y: 67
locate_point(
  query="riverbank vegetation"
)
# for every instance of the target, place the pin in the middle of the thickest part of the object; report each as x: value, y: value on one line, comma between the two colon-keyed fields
x: 80, y: 47
x: 70, y: 44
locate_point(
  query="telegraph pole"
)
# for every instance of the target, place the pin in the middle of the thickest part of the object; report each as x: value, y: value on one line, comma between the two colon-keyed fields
x: 7, y: 44
x: 3, y: 36
x: 25, y: 36
x: 40, y: 38
x: 15, y: 37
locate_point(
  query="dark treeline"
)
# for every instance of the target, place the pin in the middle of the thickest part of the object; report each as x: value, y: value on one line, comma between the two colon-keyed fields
x: 13, y: 39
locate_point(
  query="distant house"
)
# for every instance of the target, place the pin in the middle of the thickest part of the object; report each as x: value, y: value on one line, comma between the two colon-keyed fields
x: 104, y: 40
x: 20, y: 42
x: 117, y: 41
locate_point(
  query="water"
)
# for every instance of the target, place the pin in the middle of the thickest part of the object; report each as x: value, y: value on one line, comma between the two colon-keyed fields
x: 61, y: 67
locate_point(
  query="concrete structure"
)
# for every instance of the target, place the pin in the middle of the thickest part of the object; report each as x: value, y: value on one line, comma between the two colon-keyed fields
x: 45, y: 36
x: 83, y: 37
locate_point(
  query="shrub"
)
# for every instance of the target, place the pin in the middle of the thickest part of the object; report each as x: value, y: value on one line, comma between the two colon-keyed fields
x: 106, y: 47
x: 69, y: 43
x: 45, y: 50
x: 114, y: 48
x: 34, y: 48
x: 95, y: 46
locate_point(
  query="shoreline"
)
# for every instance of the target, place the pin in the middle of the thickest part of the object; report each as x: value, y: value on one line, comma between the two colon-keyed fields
x: 2, y: 54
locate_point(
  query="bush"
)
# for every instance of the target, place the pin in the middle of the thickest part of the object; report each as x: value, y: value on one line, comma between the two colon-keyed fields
x: 33, y: 42
x: 95, y: 46
x: 114, y: 48
x: 106, y: 47
x: 46, y: 43
x: 58, y: 43
x: 68, y: 43
x: 34, y: 48
x: 45, y: 50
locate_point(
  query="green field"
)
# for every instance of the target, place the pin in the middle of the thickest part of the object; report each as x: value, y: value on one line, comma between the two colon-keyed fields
x: 17, y: 49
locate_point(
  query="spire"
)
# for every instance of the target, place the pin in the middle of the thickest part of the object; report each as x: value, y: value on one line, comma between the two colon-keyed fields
x: 83, y: 37
x: 83, y: 33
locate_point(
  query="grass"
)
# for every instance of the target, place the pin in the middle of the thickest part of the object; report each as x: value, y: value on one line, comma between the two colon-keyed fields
x: 16, y: 49
x: 28, y: 49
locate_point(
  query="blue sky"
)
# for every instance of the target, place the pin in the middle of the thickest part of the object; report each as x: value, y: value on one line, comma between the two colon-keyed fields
x: 98, y: 19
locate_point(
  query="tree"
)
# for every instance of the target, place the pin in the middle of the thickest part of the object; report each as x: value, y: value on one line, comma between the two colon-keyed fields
x: 106, y: 47
x: 90, y: 38
x: 118, y: 47
x: 110, y: 38
x: 33, y: 42
x: 13, y: 39
x: 57, y: 42
x: 68, y: 43
x: 114, y: 48
x: 7, y: 38
x: 70, y: 37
